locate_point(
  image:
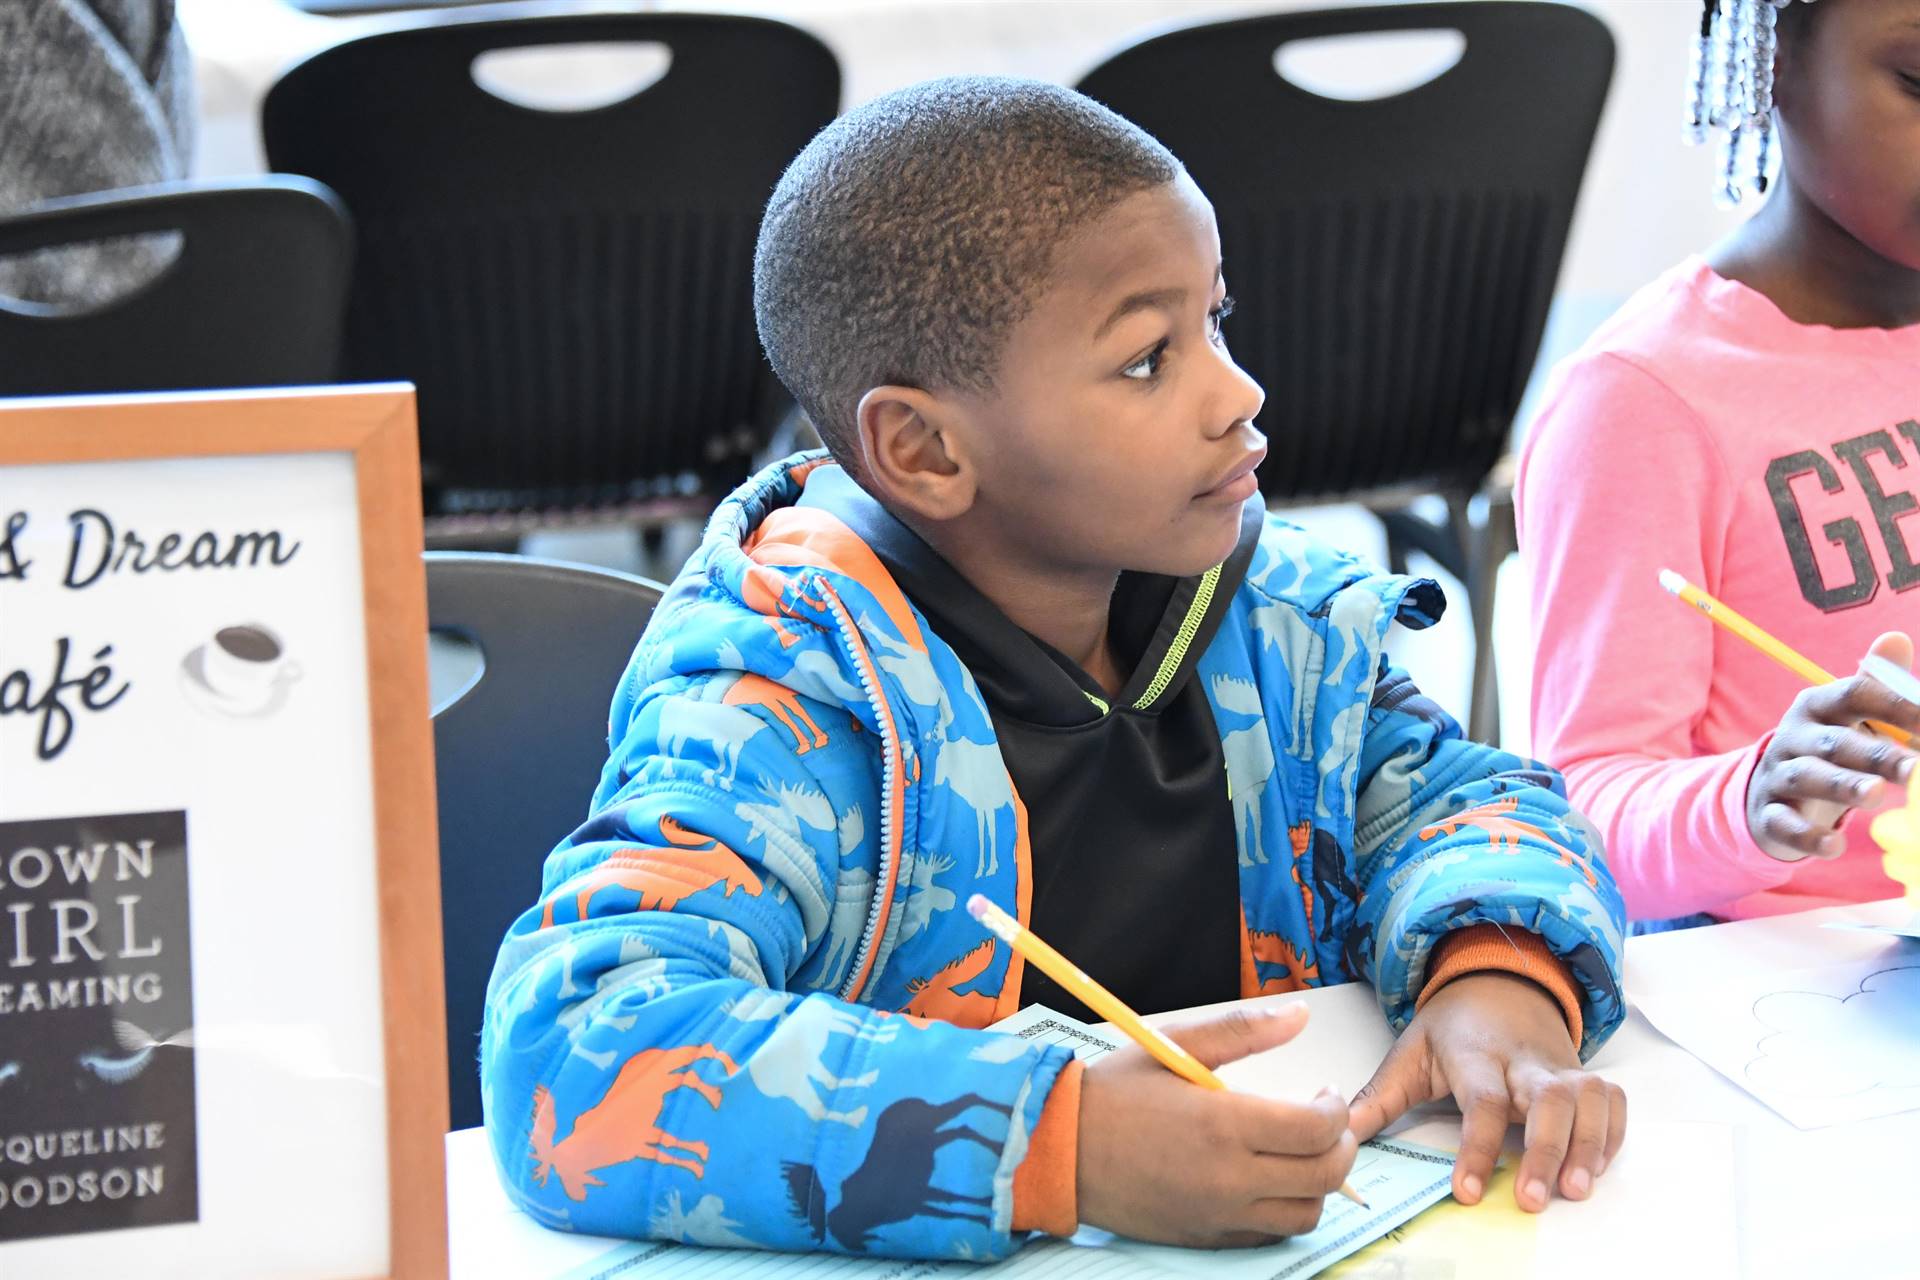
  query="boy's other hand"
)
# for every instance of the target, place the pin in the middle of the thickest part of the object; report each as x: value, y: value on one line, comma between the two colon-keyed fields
x: 1823, y: 763
x: 1499, y: 1045
x: 1166, y: 1160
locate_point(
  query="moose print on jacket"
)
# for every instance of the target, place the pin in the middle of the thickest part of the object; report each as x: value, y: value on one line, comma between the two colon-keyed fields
x: 746, y: 1008
x: 622, y: 1125
x: 895, y: 1181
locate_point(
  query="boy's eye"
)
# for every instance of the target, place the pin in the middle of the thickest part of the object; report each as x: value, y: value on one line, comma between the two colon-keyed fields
x: 1147, y: 367
x: 1218, y: 314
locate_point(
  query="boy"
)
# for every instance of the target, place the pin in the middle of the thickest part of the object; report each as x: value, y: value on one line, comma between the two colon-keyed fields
x: 1028, y: 633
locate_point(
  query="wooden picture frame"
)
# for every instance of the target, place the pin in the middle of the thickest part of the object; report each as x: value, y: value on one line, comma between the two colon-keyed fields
x: 374, y: 428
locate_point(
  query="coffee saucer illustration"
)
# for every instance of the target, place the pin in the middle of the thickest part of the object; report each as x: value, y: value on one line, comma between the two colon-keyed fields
x: 241, y: 672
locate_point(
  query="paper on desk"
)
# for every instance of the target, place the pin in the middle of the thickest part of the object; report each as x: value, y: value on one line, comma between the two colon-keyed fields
x: 1492, y: 1240
x: 1042, y: 1025
x: 1821, y: 1045
x: 1903, y: 929
x: 1397, y: 1178
x: 1666, y: 1199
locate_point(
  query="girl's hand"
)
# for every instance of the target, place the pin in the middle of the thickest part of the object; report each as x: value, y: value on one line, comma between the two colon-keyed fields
x: 1822, y: 763
x: 1498, y: 1044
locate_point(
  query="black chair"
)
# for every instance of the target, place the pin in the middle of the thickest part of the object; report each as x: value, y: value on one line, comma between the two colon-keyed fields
x: 1395, y: 258
x: 516, y: 751
x: 254, y: 298
x: 571, y: 291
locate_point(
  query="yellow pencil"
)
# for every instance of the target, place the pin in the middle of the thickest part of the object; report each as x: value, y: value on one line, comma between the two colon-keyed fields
x: 1801, y: 665
x: 1102, y: 1001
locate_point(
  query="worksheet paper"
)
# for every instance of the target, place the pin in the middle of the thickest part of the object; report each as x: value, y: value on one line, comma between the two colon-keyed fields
x: 1650, y: 1205
x: 1900, y: 929
x: 1398, y: 1180
x: 1822, y: 1045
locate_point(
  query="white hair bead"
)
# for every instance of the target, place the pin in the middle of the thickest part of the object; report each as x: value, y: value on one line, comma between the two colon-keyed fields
x: 1730, y: 91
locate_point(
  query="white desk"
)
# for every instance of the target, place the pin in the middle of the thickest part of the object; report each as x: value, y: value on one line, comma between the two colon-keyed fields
x: 1710, y: 1182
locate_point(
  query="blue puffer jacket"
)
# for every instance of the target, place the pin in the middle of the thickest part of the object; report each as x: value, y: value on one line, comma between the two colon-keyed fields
x: 746, y: 1010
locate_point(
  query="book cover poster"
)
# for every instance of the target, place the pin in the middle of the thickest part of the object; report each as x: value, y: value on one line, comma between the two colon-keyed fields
x: 97, y: 1120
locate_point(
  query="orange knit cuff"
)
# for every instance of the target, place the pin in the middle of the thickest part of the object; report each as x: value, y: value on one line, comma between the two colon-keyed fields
x: 1483, y: 947
x: 1045, y: 1186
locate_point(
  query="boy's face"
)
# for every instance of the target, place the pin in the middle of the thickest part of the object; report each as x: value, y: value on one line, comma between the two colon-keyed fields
x: 1119, y: 434
x: 1850, y: 113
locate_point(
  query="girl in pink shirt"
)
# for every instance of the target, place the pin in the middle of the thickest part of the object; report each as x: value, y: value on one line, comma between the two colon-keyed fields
x: 1750, y: 420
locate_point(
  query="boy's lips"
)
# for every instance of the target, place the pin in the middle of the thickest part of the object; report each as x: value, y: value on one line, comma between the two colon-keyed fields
x: 1238, y: 482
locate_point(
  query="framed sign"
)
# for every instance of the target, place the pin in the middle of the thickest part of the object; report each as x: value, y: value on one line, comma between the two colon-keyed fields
x: 222, y: 1038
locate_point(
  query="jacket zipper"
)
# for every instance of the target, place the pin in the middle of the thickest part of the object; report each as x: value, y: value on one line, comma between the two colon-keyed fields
x: 1177, y: 651
x: 891, y: 763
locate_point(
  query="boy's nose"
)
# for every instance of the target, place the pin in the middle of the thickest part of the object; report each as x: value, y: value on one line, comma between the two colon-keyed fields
x: 1239, y: 399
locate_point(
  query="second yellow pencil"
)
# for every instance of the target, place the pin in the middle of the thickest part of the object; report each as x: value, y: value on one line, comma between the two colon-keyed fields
x: 1793, y: 660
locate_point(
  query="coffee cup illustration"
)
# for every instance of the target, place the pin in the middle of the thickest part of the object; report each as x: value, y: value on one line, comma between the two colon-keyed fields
x: 243, y: 670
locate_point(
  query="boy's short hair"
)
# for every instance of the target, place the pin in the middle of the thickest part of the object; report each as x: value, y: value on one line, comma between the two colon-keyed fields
x: 909, y: 237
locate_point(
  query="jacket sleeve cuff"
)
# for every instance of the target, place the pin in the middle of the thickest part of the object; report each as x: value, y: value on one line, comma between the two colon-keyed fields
x: 1045, y: 1190
x: 1483, y: 948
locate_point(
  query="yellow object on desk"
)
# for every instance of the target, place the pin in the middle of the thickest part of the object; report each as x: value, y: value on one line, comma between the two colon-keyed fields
x: 1043, y: 957
x: 1898, y: 832
x: 1792, y: 659
x: 1492, y: 1240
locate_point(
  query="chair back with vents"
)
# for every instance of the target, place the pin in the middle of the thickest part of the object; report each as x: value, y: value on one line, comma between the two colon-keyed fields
x: 571, y: 291
x: 1394, y: 259
x: 516, y: 752
x: 253, y: 297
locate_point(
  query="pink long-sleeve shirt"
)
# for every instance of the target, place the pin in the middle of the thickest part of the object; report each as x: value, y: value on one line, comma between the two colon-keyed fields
x: 1773, y: 464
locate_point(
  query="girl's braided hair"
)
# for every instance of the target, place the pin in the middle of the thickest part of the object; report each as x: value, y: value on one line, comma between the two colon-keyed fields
x: 1731, y: 91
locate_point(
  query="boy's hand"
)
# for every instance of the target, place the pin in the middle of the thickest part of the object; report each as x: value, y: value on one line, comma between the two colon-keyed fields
x: 1499, y: 1045
x: 1166, y: 1160
x: 1821, y: 762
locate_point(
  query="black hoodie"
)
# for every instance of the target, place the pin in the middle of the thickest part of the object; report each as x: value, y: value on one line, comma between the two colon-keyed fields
x: 1134, y: 852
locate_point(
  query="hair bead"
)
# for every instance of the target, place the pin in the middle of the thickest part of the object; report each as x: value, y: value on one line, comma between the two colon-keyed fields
x: 1730, y: 91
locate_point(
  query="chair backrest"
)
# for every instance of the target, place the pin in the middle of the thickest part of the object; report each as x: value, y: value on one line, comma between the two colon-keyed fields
x: 517, y: 752
x: 571, y: 291
x: 254, y: 297
x: 1394, y: 258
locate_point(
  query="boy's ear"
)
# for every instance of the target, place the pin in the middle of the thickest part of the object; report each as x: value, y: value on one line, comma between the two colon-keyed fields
x: 911, y: 455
